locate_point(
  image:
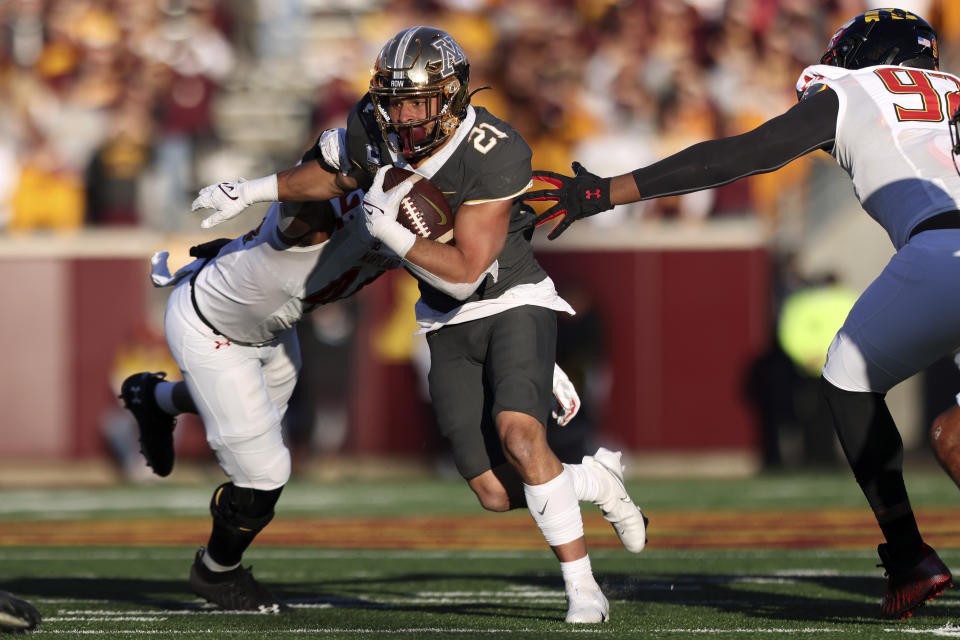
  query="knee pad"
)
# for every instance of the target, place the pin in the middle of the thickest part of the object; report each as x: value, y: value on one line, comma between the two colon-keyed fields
x: 262, y: 462
x: 241, y: 510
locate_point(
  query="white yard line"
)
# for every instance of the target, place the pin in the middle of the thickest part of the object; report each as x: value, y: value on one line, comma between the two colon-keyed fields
x: 282, y: 632
x: 154, y: 553
x: 948, y: 631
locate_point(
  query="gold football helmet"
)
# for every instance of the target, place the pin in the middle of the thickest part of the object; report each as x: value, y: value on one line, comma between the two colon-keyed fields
x: 420, y: 62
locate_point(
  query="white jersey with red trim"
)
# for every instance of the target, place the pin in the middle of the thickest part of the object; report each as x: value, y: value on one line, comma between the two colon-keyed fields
x: 258, y: 286
x: 893, y: 140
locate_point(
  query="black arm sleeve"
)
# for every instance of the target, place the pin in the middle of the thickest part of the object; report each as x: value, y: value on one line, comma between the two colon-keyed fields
x: 807, y: 126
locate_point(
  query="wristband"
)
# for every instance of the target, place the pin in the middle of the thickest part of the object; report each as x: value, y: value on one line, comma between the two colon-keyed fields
x: 394, y: 235
x: 261, y: 189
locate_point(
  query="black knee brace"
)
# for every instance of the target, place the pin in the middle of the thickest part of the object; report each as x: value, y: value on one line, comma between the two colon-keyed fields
x: 238, y: 516
x: 243, y: 511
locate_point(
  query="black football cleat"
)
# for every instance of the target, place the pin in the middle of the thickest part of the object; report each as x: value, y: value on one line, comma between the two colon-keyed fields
x: 156, y: 426
x: 911, y: 586
x: 234, y: 590
x: 16, y: 615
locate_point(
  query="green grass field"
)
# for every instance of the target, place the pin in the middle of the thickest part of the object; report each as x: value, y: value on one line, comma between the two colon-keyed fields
x: 785, y: 555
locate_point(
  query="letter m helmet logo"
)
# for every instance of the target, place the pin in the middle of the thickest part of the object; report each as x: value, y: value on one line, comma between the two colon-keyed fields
x: 450, y: 54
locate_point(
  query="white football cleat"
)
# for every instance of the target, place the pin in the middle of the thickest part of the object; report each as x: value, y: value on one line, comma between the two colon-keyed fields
x: 586, y: 604
x: 617, y: 507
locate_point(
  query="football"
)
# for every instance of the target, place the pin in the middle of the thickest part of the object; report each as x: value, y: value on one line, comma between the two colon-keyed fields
x: 945, y: 441
x: 425, y: 210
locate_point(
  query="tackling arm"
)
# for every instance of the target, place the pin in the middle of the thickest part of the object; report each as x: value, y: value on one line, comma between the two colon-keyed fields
x: 310, y: 181
x: 807, y: 126
x: 305, y: 182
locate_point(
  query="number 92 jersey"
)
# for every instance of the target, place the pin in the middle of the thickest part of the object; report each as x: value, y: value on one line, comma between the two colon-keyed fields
x: 484, y: 160
x: 893, y: 140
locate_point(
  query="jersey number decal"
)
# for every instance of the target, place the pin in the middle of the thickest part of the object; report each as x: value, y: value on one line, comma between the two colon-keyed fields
x: 931, y: 109
x: 253, y: 233
x: 481, y: 141
x: 336, y: 289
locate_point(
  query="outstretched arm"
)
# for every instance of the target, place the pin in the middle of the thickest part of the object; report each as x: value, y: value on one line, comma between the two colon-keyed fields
x: 305, y: 182
x: 807, y: 126
x: 309, y: 181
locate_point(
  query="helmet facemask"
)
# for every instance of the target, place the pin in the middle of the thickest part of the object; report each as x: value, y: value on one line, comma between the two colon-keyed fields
x: 420, y: 64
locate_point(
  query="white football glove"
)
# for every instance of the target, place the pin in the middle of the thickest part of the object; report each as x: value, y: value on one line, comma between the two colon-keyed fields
x: 381, y: 208
x: 566, y: 400
x: 228, y: 199
x: 160, y: 272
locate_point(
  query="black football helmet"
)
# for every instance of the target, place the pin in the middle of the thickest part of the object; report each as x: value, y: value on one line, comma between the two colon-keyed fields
x: 420, y: 62
x: 884, y: 36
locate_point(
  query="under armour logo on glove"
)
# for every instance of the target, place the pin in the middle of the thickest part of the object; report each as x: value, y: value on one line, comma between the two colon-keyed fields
x: 582, y: 195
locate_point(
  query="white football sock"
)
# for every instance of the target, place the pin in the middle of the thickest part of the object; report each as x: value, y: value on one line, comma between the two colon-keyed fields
x: 213, y: 565
x: 577, y: 571
x: 555, y: 509
x: 586, y: 483
x: 163, y: 394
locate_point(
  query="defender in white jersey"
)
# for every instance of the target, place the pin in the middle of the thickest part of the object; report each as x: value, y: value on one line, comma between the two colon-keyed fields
x: 487, y: 307
x: 230, y: 326
x: 880, y: 106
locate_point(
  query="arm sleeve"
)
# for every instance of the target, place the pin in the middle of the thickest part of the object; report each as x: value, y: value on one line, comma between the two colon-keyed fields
x: 456, y: 290
x: 807, y: 126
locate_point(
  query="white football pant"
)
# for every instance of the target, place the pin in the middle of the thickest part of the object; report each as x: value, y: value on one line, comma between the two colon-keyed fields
x: 241, y: 393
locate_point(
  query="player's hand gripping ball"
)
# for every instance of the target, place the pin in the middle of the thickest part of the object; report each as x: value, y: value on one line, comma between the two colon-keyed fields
x: 425, y: 210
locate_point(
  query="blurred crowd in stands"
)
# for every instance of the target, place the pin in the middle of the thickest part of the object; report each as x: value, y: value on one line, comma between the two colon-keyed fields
x: 114, y: 112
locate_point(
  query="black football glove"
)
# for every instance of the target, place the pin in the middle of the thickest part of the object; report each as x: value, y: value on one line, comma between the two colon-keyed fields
x: 582, y: 195
x: 16, y: 615
x: 209, y: 249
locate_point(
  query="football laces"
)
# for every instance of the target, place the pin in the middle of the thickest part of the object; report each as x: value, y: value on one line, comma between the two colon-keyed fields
x: 415, y: 217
